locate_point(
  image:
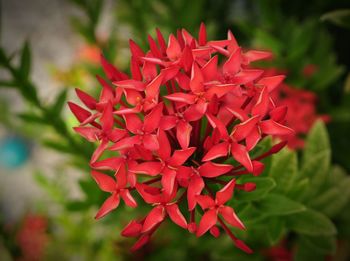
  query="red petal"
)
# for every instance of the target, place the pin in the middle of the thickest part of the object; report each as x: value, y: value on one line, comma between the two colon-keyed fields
x: 174, y: 50
x: 176, y: 216
x: 161, y: 41
x: 195, y: 187
x: 128, y: 199
x: 169, y: 73
x: 105, y: 182
x: 241, y: 245
x: 262, y: 105
x: 216, y: 123
x: 273, y: 128
x: 211, y: 170
x: 230, y: 217
x: 150, y: 142
x: 215, y: 231
x: 111, y: 72
x: 168, y: 181
x: 154, y: 217
x: 196, y: 111
x: 242, y: 130
x: 219, y: 90
x: 208, y: 220
x: 107, y: 93
x: 233, y: 64
x: 232, y: 45
x: 130, y: 84
x: 88, y: 100
x: 258, y: 167
x: 225, y: 194
x: 205, y: 201
x: 133, y: 229
x: 133, y: 97
x: 183, y: 134
x: 152, y: 89
x: 149, y: 168
x: 164, y: 151
x: 167, y: 122
x: 108, y: 164
x: 253, y: 55
x: 154, y: 48
x: 143, y: 240
x: 246, y: 76
x: 107, y: 119
x: 196, y: 83
x: 110, y: 204
x: 126, y: 143
x: 116, y: 134
x: 149, y: 71
x: 135, y: 69
x: 151, y: 121
x: 240, y: 153
x: 184, y: 81
x: 218, y: 150
x: 89, y: 133
x: 121, y: 177
x: 100, y: 149
x: 133, y: 123
x: 181, y: 97
x: 237, y: 112
x: 272, y: 82
x: 80, y: 113
x: 279, y: 113
x: 202, y: 36
x: 148, y: 196
x: 135, y: 50
x: 180, y: 156
x: 210, y: 69
x: 253, y: 138
x: 186, y: 59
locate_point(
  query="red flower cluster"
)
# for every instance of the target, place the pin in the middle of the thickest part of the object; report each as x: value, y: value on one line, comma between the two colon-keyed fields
x: 190, y: 108
x: 302, y: 113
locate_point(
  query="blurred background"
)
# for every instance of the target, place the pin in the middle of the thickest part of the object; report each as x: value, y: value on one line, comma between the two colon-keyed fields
x: 48, y: 48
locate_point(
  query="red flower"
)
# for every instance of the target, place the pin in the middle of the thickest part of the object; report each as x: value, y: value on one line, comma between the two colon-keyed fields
x: 32, y: 237
x: 175, y: 123
x: 301, y: 115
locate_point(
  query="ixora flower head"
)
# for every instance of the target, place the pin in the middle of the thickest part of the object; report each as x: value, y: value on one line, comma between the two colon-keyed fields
x: 187, y: 118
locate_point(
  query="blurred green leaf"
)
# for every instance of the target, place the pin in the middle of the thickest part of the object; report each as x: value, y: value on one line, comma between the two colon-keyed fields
x: 311, y: 223
x: 284, y: 169
x: 25, y: 62
x: 278, y: 205
x: 263, y: 186
x: 60, y: 102
x: 320, y: 244
x: 338, y: 17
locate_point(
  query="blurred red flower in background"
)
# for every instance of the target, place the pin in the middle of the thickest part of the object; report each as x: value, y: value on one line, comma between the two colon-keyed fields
x: 32, y: 237
x: 188, y: 117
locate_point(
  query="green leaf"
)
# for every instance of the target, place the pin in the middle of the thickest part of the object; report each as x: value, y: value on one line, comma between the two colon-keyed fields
x: 59, y: 103
x: 7, y: 84
x: 317, y: 141
x: 284, y: 169
x: 279, y: 205
x: 317, y: 170
x: 263, y: 186
x: 275, y: 230
x: 31, y: 118
x: 25, y: 61
x: 320, y: 244
x: 311, y: 223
